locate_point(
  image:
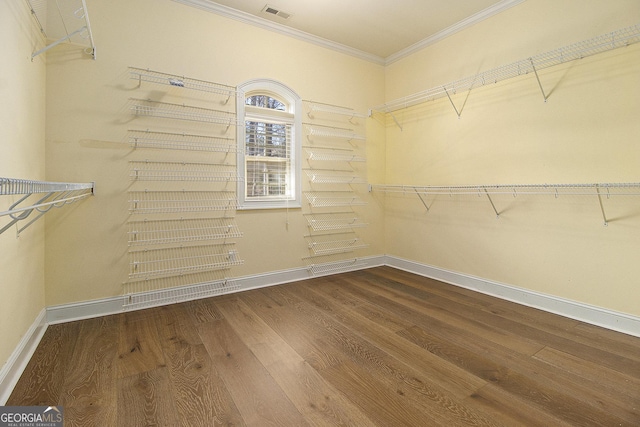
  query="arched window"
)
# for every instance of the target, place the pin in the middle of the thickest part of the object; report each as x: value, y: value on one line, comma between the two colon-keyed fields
x: 268, y: 145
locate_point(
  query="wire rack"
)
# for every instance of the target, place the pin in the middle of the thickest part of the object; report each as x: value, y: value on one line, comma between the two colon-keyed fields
x: 155, y: 298
x: 334, y: 221
x: 181, y: 141
x: 50, y: 195
x: 181, y: 171
x: 168, y: 231
x: 336, y: 246
x: 336, y: 267
x: 174, y: 80
x: 148, y: 202
x: 68, y: 21
x: 166, y: 110
x: 334, y: 199
x: 9, y: 186
x: 333, y: 155
x: 334, y: 177
x: 333, y: 132
x: 603, y: 43
x: 598, y: 190
x: 319, y: 107
x: 152, y: 263
x: 589, y: 189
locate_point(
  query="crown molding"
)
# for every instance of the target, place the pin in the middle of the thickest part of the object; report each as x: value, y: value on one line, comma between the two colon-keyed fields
x: 459, y: 26
x: 247, y: 18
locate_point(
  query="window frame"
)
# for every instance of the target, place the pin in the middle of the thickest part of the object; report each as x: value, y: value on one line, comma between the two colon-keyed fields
x: 281, y: 92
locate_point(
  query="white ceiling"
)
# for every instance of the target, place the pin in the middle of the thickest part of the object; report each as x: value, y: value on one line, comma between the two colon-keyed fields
x: 378, y: 30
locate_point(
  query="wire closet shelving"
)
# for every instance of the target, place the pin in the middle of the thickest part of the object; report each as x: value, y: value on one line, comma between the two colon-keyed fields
x: 596, y: 190
x: 157, y: 77
x: 182, y: 230
x: 165, y: 262
x: 63, y: 21
x: 180, y: 141
x: 167, y: 110
x: 603, y: 43
x: 54, y: 194
x: 162, y: 202
x: 147, y: 170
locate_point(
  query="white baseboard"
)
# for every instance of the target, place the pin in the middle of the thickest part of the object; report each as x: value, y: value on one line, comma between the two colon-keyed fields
x: 598, y: 316
x: 15, y: 366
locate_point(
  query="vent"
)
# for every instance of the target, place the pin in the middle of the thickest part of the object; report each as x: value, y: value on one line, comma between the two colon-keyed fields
x: 275, y: 12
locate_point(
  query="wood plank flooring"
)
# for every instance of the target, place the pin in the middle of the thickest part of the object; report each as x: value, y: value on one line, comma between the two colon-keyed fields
x: 377, y: 347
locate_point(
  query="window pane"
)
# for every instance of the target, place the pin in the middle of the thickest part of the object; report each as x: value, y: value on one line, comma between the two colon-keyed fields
x: 265, y: 101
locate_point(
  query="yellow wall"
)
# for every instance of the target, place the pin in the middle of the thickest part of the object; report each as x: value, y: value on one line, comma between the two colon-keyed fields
x: 22, y: 91
x: 88, y: 118
x: 586, y: 132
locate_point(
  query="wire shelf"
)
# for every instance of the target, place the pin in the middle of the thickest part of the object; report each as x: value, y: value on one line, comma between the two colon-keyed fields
x: 334, y: 177
x: 155, y: 298
x: 330, y: 222
x: 333, y: 156
x: 11, y: 186
x: 598, y: 190
x: 181, y: 171
x: 181, y: 141
x: 147, y: 264
x: 166, y: 110
x: 174, y: 80
x: 56, y: 195
x: 336, y: 246
x: 333, y: 199
x: 319, y: 107
x: 332, y: 132
x: 148, y: 202
x: 68, y: 21
x: 167, y: 231
x: 336, y: 267
x: 603, y: 43
x: 610, y: 189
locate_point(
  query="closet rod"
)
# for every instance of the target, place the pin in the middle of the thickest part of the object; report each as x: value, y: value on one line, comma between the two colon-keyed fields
x: 603, y: 43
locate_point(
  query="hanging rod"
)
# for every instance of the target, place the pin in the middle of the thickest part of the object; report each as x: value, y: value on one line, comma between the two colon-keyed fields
x: 556, y: 190
x: 56, y: 194
x: 603, y: 43
x: 147, y: 75
x: 70, y: 14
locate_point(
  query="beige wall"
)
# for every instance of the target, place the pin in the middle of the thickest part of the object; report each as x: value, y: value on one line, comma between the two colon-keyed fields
x: 586, y: 132
x: 88, y: 118
x: 22, y: 91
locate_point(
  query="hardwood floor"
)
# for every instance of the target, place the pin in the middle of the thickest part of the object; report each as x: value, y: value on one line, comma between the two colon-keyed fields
x: 378, y: 347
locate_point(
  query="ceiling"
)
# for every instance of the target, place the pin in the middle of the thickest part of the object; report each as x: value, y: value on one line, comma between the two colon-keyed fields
x: 378, y: 30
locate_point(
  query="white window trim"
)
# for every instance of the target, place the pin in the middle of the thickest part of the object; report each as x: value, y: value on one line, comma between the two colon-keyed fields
x: 281, y: 91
